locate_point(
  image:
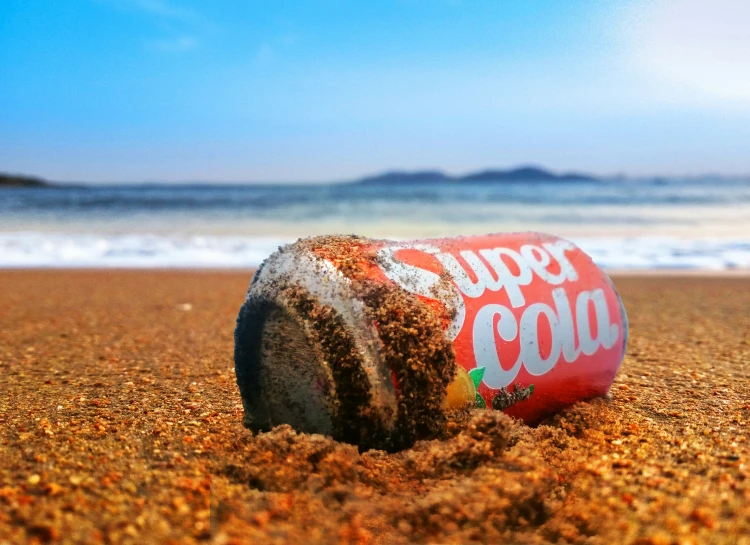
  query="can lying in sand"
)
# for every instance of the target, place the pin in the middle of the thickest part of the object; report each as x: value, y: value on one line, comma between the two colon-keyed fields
x: 375, y: 341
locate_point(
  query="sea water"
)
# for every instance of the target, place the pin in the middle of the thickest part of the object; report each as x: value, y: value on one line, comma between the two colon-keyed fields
x: 685, y: 224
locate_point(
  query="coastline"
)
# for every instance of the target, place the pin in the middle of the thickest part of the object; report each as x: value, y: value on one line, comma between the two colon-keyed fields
x: 37, y: 250
x: 122, y: 420
x: 686, y: 273
x: 614, y: 273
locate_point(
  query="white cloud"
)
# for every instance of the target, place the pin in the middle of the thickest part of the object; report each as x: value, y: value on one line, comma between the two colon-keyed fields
x: 173, y: 45
x: 181, y: 23
x: 697, y: 46
x: 160, y: 8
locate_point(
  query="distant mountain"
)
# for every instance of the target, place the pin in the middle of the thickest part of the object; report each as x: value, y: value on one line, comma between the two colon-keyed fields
x: 401, y: 177
x: 19, y: 180
x: 527, y: 174
x: 521, y: 174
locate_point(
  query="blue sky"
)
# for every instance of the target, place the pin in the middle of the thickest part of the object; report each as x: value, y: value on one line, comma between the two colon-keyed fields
x: 137, y: 90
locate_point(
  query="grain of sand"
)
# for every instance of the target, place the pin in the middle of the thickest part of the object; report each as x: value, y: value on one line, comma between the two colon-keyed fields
x: 121, y: 422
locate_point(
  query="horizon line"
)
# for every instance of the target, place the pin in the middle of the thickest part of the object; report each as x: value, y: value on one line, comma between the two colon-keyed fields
x: 439, y: 173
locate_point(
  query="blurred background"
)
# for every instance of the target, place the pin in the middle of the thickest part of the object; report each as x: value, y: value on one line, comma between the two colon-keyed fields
x: 178, y: 133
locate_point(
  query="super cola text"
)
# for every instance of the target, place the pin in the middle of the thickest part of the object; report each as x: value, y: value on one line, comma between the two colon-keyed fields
x: 569, y: 338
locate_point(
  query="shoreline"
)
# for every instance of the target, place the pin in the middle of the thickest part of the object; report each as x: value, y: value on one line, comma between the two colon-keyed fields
x: 687, y: 273
x: 615, y: 273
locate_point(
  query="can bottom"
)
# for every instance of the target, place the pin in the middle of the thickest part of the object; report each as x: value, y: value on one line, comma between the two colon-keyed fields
x: 290, y: 382
x: 295, y: 379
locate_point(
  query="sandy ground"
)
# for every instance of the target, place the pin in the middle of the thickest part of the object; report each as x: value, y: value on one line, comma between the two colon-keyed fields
x: 121, y: 422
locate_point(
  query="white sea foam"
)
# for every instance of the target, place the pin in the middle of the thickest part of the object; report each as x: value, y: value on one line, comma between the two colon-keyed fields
x: 644, y: 253
x: 20, y: 250
x: 31, y: 250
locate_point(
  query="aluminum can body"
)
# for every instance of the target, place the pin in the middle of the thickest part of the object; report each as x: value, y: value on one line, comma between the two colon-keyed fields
x: 536, y: 324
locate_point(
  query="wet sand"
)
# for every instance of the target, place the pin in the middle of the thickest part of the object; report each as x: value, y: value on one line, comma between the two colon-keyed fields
x: 121, y: 422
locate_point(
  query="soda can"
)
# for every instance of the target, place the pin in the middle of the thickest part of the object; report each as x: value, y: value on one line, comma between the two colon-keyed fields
x: 373, y: 341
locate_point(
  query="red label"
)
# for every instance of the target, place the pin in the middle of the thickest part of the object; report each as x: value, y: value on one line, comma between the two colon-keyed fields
x: 526, y: 309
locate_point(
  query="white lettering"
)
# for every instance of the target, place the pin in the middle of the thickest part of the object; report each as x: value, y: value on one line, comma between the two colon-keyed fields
x: 422, y: 282
x: 506, y: 279
x: 531, y: 259
x: 530, y: 345
x: 569, y: 336
x: 485, y: 349
x: 557, y: 250
x: 606, y: 334
x: 461, y: 277
x: 562, y: 335
x: 568, y: 330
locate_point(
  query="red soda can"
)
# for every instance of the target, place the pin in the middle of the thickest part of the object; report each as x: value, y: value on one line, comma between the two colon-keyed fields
x: 363, y: 339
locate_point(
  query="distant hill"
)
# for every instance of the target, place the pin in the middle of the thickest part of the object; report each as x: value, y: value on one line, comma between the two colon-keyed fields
x: 527, y: 174
x: 401, y: 177
x: 521, y: 174
x: 19, y: 180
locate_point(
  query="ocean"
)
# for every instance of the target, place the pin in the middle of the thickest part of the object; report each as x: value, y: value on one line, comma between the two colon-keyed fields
x: 623, y: 224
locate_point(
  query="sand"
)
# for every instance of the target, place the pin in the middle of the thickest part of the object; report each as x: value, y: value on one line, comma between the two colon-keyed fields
x: 121, y: 422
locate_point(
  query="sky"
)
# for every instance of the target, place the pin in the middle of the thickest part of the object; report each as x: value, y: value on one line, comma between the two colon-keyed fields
x: 326, y: 90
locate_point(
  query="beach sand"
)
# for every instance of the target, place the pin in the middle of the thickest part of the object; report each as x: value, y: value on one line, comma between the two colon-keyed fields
x: 121, y: 422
